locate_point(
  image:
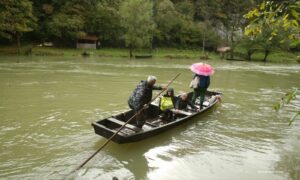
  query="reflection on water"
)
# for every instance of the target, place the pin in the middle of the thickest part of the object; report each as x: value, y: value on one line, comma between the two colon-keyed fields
x: 289, y: 153
x: 48, y: 103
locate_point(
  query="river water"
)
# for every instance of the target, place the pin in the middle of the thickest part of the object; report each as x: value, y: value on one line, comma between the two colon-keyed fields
x: 47, y: 105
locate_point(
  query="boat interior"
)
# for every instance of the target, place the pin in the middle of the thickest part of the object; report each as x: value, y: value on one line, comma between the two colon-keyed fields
x: 154, y: 118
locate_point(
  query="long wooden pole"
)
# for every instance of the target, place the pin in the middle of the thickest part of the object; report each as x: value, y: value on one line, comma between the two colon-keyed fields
x: 108, y: 140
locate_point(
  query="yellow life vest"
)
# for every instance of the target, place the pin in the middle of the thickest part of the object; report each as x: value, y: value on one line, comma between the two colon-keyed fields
x: 166, y: 103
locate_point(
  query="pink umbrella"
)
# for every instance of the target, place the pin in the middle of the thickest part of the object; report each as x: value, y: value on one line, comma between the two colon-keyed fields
x: 202, y: 69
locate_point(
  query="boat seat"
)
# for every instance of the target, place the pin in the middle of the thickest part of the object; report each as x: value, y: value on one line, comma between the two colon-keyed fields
x: 182, y: 112
x: 150, y: 124
x: 129, y: 126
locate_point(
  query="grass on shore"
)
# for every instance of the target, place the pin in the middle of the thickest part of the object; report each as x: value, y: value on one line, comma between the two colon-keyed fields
x: 171, y: 53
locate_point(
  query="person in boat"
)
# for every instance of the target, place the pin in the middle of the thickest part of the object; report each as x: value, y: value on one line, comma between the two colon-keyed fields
x: 140, y: 98
x: 166, y: 103
x: 201, y: 88
x: 183, y: 102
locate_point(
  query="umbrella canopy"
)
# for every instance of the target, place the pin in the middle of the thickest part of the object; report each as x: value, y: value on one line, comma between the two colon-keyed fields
x: 202, y: 69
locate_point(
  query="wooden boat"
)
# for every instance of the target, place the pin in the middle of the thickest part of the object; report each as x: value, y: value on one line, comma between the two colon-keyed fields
x: 154, y: 123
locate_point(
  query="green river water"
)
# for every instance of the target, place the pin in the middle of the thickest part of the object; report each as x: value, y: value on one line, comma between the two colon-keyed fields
x: 47, y: 105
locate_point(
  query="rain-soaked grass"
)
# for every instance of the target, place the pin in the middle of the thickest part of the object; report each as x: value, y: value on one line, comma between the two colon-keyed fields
x: 171, y: 53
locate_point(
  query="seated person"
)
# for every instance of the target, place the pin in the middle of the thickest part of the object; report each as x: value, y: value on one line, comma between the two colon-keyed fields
x: 183, y: 102
x: 167, y: 103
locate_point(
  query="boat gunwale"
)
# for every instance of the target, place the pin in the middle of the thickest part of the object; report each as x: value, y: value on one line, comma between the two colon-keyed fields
x: 153, y: 129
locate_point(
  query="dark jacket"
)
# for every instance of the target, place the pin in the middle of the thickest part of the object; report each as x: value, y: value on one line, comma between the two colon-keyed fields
x: 141, y: 95
x: 182, y: 105
x: 204, y: 81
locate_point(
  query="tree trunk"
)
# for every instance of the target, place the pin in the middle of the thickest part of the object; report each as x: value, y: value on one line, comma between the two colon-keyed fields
x: 130, y: 51
x: 233, y: 29
x: 222, y: 55
x: 267, y: 52
x: 18, y: 42
x: 232, y: 46
x: 249, y: 54
x: 232, y: 53
x: 203, y: 43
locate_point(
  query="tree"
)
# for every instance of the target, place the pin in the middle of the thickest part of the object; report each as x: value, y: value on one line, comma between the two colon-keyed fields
x: 261, y: 43
x: 233, y: 20
x: 104, y: 21
x: 43, y: 11
x: 137, y: 20
x: 208, y: 13
x: 175, y: 25
x: 274, y: 25
x: 166, y: 19
x: 251, y: 46
x: 191, y: 31
x: 68, y: 22
x: 16, y: 18
x: 186, y: 8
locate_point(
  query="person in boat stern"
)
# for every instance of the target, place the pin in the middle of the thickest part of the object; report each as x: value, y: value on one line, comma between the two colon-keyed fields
x: 183, y: 102
x: 141, y: 96
x: 201, y: 80
x: 200, y: 90
x: 166, y: 103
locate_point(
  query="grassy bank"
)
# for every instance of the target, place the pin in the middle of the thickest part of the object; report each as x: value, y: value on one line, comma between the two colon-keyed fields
x: 107, y: 52
x: 118, y: 52
x: 170, y: 53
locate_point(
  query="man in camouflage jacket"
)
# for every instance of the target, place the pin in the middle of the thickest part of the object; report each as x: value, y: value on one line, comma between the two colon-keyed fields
x: 141, y: 96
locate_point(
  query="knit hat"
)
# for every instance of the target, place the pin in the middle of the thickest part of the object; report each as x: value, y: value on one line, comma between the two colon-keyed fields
x: 170, y: 90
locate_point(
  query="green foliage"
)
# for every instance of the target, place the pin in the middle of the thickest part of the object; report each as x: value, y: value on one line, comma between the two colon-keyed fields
x: 145, y: 23
x: 104, y: 21
x: 68, y: 22
x: 209, y: 11
x: 293, y: 118
x: 15, y: 17
x: 166, y: 20
x: 176, y: 27
x: 274, y: 25
x: 175, y: 22
x: 285, y: 101
x: 232, y: 20
x: 271, y: 20
x: 137, y: 21
x: 186, y: 8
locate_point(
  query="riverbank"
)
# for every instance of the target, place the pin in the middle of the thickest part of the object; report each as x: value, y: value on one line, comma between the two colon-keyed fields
x: 171, y: 53
x: 107, y: 52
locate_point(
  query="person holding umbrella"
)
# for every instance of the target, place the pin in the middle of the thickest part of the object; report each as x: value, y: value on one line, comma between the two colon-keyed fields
x: 201, y: 80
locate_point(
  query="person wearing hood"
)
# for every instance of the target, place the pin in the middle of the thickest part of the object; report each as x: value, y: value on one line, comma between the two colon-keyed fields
x: 166, y: 103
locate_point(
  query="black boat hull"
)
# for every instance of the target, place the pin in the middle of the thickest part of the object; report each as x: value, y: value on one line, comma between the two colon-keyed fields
x: 108, y: 127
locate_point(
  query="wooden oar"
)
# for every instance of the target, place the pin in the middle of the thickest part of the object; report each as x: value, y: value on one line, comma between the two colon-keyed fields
x: 108, y: 140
